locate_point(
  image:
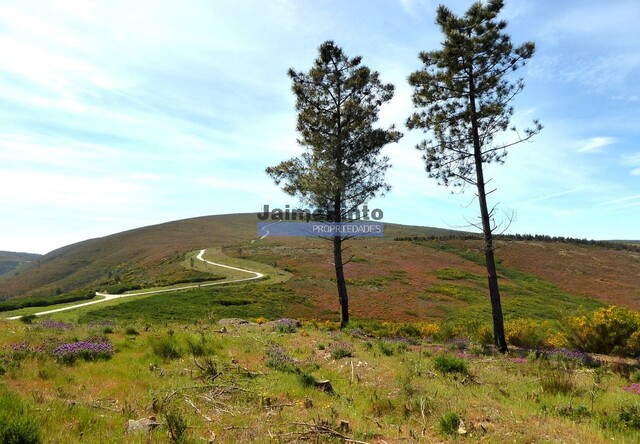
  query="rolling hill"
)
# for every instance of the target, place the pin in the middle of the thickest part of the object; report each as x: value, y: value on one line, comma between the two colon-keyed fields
x: 388, y: 278
x: 143, y: 256
x: 10, y: 260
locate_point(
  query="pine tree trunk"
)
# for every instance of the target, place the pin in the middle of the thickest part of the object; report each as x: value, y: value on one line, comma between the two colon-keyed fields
x: 494, y: 291
x: 342, y: 285
x: 492, y: 275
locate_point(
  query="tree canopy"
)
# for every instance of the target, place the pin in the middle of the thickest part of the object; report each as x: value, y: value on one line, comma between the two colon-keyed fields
x: 463, y: 93
x: 338, y: 102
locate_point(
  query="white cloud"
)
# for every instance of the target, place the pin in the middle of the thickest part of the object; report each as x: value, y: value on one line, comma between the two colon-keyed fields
x: 631, y: 159
x: 595, y: 20
x: 595, y: 144
x: 61, y: 190
x: 619, y: 200
x: 554, y: 195
x: 155, y: 105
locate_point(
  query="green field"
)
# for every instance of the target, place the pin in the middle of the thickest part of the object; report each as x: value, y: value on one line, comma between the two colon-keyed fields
x: 259, y: 383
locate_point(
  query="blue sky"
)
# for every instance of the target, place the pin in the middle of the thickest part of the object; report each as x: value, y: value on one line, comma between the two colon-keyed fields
x: 118, y: 114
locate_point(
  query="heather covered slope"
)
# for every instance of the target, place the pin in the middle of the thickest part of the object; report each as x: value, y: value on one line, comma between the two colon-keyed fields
x: 387, y: 278
x: 417, y: 281
x: 142, y: 256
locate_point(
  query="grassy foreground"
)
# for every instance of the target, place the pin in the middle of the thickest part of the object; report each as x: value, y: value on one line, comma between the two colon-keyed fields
x: 207, y: 382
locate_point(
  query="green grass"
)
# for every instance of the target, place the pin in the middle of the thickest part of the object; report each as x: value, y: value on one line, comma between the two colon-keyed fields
x: 17, y: 424
x: 378, y: 281
x: 252, y: 384
x: 30, y: 302
x: 449, y: 423
x: 252, y: 301
x: 454, y: 274
x: 447, y: 363
x: 464, y: 297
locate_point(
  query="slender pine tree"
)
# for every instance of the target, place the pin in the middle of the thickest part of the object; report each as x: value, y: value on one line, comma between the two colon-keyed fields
x: 338, y: 102
x: 463, y: 98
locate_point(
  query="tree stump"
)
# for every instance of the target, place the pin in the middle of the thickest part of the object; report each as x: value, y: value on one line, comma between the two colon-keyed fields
x: 325, y: 386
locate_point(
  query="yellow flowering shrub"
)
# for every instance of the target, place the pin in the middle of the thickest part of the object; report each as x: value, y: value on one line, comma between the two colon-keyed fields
x: 527, y: 332
x: 429, y: 330
x: 608, y: 330
x: 558, y: 340
x: 484, y: 334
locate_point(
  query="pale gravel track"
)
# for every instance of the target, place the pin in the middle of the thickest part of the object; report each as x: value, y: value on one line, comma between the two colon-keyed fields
x: 108, y: 297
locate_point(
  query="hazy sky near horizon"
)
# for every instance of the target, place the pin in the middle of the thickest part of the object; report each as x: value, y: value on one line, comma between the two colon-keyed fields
x: 118, y: 114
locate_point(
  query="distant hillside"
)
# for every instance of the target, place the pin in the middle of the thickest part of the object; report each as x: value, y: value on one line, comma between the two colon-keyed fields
x: 437, y: 273
x: 141, y: 256
x: 10, y: 260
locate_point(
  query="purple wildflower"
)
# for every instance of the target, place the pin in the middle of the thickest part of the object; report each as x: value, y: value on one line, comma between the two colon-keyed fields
x: 341, y: 349
x: 456, y: 343
x: 403, y: 340
x: 21, y: 347
x: 633, y: 388
x: 48, y: 345
x: 571, y: 355
x: 54, y: 325
x: 286, y: 325
x: 88, y: 350
x: 277, y: 358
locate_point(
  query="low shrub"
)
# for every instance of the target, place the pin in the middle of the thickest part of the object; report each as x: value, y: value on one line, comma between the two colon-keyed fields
x: 484, y: 334
x: 28, y: 319
x: 381, y: 406
x: 52, y: 324
x: 556, y: 376
x: 131, y: 331
x: 429, y: 330
x: 19, y: 430
x: 386, y: 348
x: 608, y: 330
x: 527, y: 333
x: 306, y: 379
x: 19, y: 303
x: 628, y: 417
x: 166, y: 348
x: 447, y: 363
x: 456, y: 344
x: 88, y: 350
x: 16, y: 424
x: 342, y: 350
x: 286, y: 325
x: 279, y: 359
x: 196, y: 346
x: 385, y: 329
x: 177, y: 426
x: 573, y: 412
x: 449, y: 423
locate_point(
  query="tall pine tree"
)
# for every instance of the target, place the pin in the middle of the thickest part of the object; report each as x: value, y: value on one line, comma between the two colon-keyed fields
x: 463, y: 99
x: 338, y: 102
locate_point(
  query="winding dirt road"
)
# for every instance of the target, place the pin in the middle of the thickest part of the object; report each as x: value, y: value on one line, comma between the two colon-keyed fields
x: 108, y: 297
